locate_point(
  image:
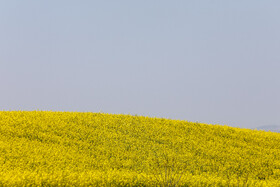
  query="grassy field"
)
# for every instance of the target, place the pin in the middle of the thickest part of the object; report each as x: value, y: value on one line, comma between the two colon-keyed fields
x: 96, y: 149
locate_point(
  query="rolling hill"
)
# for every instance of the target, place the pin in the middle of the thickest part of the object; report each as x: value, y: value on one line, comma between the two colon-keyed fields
x: 44, y: 148
x: 272, y: 128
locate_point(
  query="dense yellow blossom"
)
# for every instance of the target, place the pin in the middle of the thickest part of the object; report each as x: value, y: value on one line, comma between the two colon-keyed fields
x: 96, y: 149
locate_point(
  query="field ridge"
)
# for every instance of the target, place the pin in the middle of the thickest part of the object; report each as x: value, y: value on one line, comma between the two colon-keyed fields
x: 39, y: 148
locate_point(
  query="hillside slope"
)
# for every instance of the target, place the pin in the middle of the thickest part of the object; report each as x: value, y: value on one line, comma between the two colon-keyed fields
x: 71, y: 148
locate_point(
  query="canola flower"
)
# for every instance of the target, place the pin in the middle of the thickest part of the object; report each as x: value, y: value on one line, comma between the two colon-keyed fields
x: 44, y: 148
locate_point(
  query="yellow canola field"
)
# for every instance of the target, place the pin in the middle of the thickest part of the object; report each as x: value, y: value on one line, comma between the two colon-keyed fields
x: 41, y: 148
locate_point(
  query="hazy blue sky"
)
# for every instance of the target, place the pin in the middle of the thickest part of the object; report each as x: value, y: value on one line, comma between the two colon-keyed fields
x: 207, y: 61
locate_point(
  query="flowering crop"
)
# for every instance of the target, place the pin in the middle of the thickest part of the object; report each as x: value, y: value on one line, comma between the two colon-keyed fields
x: 95, y: 149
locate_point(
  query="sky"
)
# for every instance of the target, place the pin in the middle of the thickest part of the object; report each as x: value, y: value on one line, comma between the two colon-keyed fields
x: 214, y: 62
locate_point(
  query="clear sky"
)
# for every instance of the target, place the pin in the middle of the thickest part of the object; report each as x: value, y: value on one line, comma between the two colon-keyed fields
x: 215, y: 62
